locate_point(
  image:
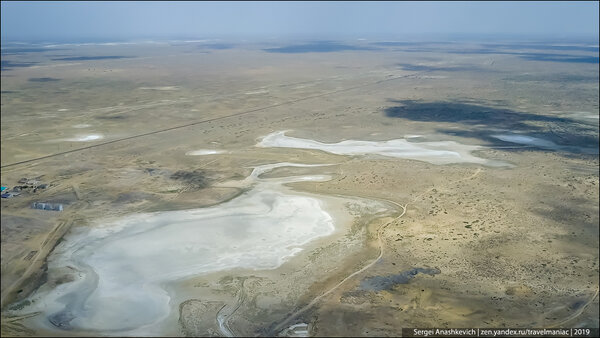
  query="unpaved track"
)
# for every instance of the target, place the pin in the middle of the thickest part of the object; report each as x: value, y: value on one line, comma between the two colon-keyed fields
x: 576, y: 314
x: 10, y: 293
x: 318, y: 298
x: 208, y: 120
x: 64, y: 223
x: 281, y: 325
x: 224, y: 316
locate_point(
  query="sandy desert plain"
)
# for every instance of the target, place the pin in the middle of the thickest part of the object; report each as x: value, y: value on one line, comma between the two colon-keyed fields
x: 324, y: 188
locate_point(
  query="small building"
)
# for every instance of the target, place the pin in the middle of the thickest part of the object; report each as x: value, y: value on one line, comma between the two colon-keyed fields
x: 297, y: 330
x: 47, y: 206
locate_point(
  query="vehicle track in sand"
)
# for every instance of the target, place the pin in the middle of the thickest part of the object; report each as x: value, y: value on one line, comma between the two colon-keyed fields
x: 37, y: 261
x: 382, y: 227
x: 576, y: 314
x: 223, y: 317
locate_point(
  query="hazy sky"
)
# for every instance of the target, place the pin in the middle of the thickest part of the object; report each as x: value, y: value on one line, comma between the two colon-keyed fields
x: 137, y: 19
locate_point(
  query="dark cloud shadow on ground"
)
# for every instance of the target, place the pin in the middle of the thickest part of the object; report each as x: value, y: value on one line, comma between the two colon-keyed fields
x: 379, y: 283
x: 407, y: 43
x: 216, y: 46
x: 42, y: 79
x: 317, y: 47
x: 23, y: 50
x: 421, y: 68
x: 526, y: 51
x: 529, y: 56
x: 481, y: 122
x: 558, y: 57
x: 88, y: 58
x: 8, y: 65
x: 544, y: 47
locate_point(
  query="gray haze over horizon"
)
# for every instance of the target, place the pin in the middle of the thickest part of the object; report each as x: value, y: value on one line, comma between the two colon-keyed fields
x: 64, y: 21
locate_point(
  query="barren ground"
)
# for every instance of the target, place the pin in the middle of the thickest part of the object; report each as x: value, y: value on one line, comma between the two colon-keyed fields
x: 513, y: 246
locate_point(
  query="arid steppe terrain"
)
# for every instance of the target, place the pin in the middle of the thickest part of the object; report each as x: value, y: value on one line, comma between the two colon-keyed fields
x: 354, y: 187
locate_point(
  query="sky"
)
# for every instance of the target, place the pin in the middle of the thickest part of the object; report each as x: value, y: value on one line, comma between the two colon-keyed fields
x: 78, y: 20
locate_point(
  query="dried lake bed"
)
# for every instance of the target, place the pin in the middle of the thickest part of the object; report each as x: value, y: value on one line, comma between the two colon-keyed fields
x: 399, y: 169
x: 117, y: 271
x: 443, y: 152
x: 115, y: 274
x: 119, y: 276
